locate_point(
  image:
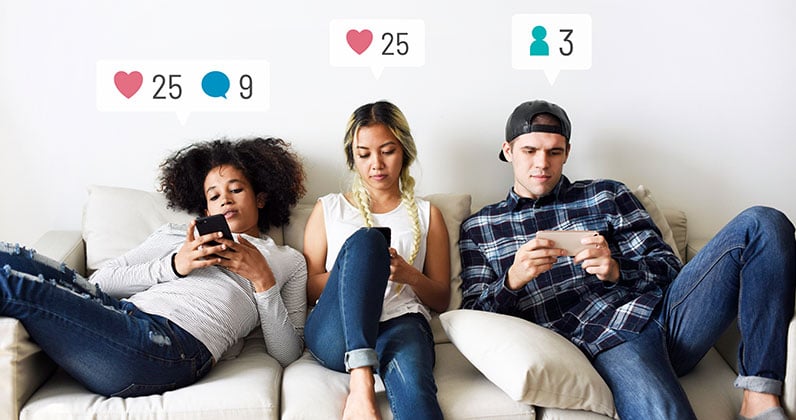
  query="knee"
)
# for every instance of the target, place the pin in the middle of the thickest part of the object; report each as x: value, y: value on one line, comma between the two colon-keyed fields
x: 367, y: 240
x: 769, y: 219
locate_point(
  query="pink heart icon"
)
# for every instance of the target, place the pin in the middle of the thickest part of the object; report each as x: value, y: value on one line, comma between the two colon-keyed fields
x: 128, y: 84
x: 359, y: 41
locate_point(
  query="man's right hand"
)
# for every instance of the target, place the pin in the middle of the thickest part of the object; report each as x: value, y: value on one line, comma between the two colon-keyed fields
x: 532, y: 259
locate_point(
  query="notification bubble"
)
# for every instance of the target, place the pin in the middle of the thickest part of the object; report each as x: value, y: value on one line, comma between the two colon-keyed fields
x: 377, y: 43
x: 551, y: 42
x: 215, y: 84
x: 183, y: 86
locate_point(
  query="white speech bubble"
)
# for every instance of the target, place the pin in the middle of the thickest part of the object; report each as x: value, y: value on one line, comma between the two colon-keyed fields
x: 564, y: 42
x: 183, y: 86
x: 377, y: 43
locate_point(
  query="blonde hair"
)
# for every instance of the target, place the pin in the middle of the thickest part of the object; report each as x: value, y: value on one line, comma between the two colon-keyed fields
x: 390, y: 116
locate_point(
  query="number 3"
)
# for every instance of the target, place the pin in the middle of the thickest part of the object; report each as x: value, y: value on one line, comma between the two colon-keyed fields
x: 566, y: 39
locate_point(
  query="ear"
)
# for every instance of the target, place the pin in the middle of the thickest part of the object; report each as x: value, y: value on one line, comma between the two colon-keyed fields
x: 507, y: 150
x: 261, y: 200
x: 207, y: 212
x: 566, y: 155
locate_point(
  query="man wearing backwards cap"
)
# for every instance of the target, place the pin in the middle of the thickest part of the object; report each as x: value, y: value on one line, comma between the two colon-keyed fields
x: 627, y: 294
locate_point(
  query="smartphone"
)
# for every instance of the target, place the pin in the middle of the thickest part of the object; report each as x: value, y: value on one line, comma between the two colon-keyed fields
x: 214, y: 223
x: 386, y: 232
x: 568, y: 240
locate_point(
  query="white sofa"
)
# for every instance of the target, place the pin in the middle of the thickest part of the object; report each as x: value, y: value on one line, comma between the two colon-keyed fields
x: 551, y: 383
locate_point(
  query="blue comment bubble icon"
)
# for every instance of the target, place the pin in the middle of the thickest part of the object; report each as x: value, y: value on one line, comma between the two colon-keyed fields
x: 215, y: 84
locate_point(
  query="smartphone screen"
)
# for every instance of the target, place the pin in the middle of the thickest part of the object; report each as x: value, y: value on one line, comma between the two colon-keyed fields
x: 386, y: 232
x: 211, y: 224
x: 568, y: 240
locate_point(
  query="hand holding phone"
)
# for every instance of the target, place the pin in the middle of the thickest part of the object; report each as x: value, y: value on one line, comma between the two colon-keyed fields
x: 568, y: 240
x: 212, y: 224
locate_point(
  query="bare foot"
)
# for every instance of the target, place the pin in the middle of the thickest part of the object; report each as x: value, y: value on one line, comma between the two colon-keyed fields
x: 361, y: 401
x: 755, y: 403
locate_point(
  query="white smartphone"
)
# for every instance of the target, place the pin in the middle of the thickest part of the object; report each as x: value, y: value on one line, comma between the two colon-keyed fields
x: 568, y: 240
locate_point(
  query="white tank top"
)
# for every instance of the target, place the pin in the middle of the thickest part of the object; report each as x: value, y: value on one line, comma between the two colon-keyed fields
x: 342, y: 219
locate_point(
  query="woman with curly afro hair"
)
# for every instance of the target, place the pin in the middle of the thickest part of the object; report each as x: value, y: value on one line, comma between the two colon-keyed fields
x: 161, y: 315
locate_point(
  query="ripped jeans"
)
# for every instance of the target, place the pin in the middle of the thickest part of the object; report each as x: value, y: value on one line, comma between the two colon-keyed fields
x: 107, y: 344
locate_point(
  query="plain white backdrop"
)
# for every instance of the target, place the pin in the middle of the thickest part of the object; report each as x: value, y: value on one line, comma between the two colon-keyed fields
x: 692, y: 98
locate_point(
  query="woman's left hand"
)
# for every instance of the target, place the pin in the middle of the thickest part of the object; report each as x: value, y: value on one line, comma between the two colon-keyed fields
x: 245, y: 260
x: 400, y: 270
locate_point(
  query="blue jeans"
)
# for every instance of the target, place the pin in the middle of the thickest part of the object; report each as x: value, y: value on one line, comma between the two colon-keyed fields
x: 108, y: 345
x: 343, y: 332
x: 746, y: 272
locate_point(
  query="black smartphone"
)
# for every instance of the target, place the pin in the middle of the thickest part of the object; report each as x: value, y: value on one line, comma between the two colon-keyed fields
x: 214, y: 223
x: 386, y: 232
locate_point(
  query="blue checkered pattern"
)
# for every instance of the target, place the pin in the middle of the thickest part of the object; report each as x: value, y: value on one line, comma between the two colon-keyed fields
x: 566, y: 299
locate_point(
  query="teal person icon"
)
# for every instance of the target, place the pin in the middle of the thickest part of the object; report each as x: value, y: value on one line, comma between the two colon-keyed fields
x: 539, y: 46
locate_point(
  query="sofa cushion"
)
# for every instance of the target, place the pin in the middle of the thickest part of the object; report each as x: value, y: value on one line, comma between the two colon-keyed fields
x: 530, y: 363
x: 454, y: 208
x: 311, y: 391
x: 679, y: 224
x: 645, y: 196
x: 116, y: 220
x: 246, y: 387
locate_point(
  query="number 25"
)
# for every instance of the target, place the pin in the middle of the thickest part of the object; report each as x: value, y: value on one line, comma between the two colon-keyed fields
x: 398, y: 42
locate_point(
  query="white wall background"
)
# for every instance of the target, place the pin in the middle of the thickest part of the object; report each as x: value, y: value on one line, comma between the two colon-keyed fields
x: 692, y: 98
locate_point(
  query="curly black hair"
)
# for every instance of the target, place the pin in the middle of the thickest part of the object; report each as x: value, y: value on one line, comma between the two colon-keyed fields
x: 269, y: 164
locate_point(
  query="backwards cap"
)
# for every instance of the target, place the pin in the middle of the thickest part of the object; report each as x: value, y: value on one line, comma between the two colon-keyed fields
x: 519, y: 122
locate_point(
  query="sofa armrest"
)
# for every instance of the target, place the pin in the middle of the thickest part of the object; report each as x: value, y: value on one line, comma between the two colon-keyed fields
x: 23, y: 367
x: 66, y: 246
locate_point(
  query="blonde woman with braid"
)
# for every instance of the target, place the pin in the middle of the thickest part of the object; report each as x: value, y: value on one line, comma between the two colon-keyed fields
x: 373, y: 297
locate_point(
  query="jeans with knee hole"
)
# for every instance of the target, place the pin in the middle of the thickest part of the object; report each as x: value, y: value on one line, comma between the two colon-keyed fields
x: 108, y: 345
x: 343, y: 331
x: 746, y: 272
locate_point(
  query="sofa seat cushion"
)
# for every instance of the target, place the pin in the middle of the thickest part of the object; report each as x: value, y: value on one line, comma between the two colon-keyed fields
x: 310, y: 390
x: 246, y: 387
x: 710, y: 388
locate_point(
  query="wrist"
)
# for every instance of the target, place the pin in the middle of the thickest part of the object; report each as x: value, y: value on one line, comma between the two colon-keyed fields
x: 174, y: 266
x: 508, y: 283
x: 263, y: 283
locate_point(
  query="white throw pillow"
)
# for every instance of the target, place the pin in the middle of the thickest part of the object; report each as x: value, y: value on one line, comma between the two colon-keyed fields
x: 530, y: 363
x: 116, y: 220
x: 644, y: 195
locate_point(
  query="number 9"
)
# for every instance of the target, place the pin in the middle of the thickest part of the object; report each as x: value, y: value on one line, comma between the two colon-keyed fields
x: 246, y: 86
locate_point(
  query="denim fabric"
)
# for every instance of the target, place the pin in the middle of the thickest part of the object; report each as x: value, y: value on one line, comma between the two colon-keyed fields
x: 343, y: 332
x: 107, y: 344
x: 747, y: 271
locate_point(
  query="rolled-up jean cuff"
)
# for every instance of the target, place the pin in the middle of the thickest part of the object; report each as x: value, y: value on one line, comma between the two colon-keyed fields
x: 759, y: 384
x: 361, y: 357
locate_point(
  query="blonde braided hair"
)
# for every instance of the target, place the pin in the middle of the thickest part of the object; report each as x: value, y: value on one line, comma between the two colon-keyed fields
x: 390, y: 116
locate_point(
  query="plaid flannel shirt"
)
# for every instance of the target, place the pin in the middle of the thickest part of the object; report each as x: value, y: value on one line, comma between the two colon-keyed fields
x: 566, y: 299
